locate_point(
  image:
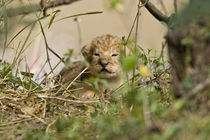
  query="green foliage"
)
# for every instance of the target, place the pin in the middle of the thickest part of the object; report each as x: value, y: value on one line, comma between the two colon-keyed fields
x: 187, y: 41
x: 112, y: 3
x: 35, y: 135
x: 117, y: 128
x: 128, y: 63
x: 53, y: 17
x: 68, y: 56
x: 69, y: 127
x: 24, y: 79
x: 96, y: 81
x: 179, y: 104
x: 134, y: 97
x: 195, y: 9
x: 171, y: 24
x: 205, y: 31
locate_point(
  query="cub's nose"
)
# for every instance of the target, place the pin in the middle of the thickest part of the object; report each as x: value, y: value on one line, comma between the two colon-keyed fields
x: 103, y: 63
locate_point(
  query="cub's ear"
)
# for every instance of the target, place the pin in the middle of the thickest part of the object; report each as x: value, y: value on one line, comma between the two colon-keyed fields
x: 87, y: 52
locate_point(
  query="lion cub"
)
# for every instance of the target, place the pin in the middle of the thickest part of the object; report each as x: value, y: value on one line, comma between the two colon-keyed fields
x: 102, y: 54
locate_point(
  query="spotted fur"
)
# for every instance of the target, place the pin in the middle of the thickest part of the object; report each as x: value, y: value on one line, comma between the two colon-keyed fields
x: 102, y: 55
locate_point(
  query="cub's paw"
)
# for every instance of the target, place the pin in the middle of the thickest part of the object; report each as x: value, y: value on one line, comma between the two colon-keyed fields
x: 89, y: 94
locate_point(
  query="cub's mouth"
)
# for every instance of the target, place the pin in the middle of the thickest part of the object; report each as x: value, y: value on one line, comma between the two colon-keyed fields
x: 105, y: 70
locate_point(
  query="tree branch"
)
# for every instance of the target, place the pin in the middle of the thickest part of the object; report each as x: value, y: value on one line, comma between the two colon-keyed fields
x: 56, y: 3
x: 155, y: 12
x: 200, y: 87
x: 26, y: 9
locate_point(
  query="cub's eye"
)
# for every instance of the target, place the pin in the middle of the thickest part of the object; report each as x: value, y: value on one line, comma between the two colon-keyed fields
x: 96, y: 54
x: 113, y: 55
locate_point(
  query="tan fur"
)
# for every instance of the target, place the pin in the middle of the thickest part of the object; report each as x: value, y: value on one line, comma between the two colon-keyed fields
x: 103, y: 56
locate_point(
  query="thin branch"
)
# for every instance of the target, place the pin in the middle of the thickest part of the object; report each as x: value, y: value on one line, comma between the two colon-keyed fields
x: 16, y: 122
x: 46, y: 46
x: 49, y: 125
x: 49, y: 74
x: 155, y: 12
x: 136, y: 37
x: 77, y: 20
x: 162, y: 51
x: 200, y: 87
x: 77, y: 77
x: 26, y: 9
x: 56, y: 3
x: 67, y: 100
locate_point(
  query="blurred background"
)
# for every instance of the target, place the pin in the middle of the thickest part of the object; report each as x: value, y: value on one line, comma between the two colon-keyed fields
x: 73, y: 34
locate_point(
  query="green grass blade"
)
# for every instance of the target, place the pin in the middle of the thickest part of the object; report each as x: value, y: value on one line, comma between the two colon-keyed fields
x: 53, y: 17
x: 25, y: 28
x: 23, y: 46
x: 26, y: 84
x: 82, y: 14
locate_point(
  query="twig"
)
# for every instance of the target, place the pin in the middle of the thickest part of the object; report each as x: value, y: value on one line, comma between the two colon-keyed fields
x: 198, y: 88
x: 118, y: 88
x: 162, y: 51
x: 41, y: 70
x: 62, y: 86
x: 39, y: 119
x: 56, y: 3
x: 23, y: 10
x: 15, y: 122
x: 155, y: 12
x: 67, y: 100
x: 8, y: 91
x: 30, y: 77
x: 132, y: 27
x: 42, y: 4
x: 66, y: 88
x: 77, y: 20
x: 136, y: 37
x: 122, y: 85
x: 77, y: 77
x: 48, y: 75
x: 46, y: 46
x: 49, y: 125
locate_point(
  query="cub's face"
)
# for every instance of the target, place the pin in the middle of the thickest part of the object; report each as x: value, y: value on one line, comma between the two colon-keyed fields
x: 103, y: 56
